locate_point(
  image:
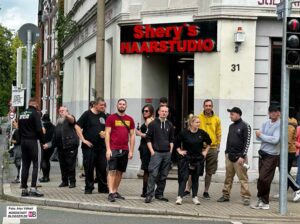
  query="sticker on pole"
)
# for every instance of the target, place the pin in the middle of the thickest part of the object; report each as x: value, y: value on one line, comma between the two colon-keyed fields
x: 21, y: 212
x: 17, y: 97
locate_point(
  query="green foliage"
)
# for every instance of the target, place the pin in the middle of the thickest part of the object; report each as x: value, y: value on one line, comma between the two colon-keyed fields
x: 65, y: 28
x: 8, y: 51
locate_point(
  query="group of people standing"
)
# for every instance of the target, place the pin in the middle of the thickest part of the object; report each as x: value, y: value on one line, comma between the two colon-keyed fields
x: 108, y: 143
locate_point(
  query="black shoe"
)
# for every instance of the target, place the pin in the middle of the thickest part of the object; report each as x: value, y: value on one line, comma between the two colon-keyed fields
x: 223, y: 199
x: 161, y: 198
x: 24, y: 193
x: 88, y: 192
x: 72, y: 185
x: 118, y: 196
x: 206, y: 195
x: 44, y: 180
x: 111, y: 197
x: 35, y: 193
x: 16, y: 181
x: 148, y: 199
x: 63, y: 184
x: 143, y: 195
x: 103, y: 190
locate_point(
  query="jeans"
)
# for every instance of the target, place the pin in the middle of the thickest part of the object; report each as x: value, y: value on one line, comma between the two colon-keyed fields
x: 298, y: 172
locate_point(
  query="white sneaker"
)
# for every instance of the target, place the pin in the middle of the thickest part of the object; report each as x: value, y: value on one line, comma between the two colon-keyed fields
x: 196, y: 201
x: 296, y: 196
x: 276, y: 196
x: 179, y: 200
x: 260, y: 205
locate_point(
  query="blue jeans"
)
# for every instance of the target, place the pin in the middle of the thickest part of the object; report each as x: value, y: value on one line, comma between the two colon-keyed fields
x: 298, y: 172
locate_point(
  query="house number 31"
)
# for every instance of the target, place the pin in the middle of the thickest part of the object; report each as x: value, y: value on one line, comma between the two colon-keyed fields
x: 235, y: 67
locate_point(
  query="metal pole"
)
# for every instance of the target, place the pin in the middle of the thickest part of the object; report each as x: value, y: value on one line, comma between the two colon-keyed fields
x: 285, y: 90
x: 29, y: 72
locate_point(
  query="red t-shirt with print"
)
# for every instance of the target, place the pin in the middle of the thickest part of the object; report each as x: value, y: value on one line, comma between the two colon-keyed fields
x: 119, y: 134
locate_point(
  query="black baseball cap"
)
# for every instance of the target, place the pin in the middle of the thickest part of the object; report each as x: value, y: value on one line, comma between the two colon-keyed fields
x: 273, y: 108
x: 235, y: 110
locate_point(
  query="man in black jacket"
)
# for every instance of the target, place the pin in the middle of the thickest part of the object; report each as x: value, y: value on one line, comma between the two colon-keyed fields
x: 30, y: 127
x: 238, y: 141
x: 67, y: 142
x: 160, y: 138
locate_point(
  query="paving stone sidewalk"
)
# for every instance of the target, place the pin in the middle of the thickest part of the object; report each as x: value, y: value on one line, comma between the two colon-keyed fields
x: 131, y: 189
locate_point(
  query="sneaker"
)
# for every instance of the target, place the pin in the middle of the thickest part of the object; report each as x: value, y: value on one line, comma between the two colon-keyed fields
x: 260, y: 205
x: 223, y: 199
x: 161, y: 198
x: 196, y: 201
x: 35, y: 193
x: 296, y: 196
x: 276, y: 196
x: 118, y: 196
x: 111, y: 197
x: 206, y: 195
x: 246, y: 201
x: 178, y: 200
x: 24, y: 193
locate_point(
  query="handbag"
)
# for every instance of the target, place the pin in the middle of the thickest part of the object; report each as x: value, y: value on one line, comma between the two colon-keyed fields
x: 233, y: 157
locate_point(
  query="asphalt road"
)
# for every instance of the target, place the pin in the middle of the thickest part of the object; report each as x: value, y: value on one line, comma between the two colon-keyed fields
x: 47, y: 215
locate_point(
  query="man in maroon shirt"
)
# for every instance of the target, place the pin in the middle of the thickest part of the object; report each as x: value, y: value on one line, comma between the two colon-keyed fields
x: 119, y: 128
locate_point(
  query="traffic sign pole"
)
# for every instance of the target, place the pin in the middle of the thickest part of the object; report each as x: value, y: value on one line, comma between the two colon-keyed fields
x: 285, y: 89
x: 29, y: 69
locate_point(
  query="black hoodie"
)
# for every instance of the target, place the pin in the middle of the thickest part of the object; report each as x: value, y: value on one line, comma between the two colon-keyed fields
x: 160, y: 134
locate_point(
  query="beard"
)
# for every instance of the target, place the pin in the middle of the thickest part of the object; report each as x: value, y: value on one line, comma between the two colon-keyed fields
x: 121, y: 110
x: 60, y: 120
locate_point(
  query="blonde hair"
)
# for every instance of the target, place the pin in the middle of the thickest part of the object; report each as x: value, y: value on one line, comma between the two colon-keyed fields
x: 191, y: 119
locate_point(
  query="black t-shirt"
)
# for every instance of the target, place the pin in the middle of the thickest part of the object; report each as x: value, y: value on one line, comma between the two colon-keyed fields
x: 192, y: 142
x: 92, y: 124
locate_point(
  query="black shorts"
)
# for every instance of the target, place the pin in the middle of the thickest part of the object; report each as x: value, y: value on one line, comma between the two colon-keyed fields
x: 118, y: 160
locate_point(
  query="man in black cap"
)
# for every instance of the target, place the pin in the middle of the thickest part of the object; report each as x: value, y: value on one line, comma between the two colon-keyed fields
x: 269, y: 135
x: 238, y: 141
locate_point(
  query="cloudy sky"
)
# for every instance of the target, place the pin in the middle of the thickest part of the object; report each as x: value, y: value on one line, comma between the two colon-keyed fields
x: 15, y: 13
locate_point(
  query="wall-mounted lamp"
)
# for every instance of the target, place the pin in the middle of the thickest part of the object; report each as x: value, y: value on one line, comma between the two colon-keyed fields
x: 239, y: 37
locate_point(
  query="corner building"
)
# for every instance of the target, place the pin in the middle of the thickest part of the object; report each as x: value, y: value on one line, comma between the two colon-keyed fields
x: 186, y: 51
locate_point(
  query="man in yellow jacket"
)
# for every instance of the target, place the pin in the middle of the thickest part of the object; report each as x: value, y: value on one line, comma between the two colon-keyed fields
x: 210, y: 123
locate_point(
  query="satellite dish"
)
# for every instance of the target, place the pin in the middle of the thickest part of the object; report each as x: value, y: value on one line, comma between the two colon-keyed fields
x: 22, y: 33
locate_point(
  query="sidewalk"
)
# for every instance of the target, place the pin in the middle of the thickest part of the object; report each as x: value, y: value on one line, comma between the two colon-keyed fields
x: 131, y: 189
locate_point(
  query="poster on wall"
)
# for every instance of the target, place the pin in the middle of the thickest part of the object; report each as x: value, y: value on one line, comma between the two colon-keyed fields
x: 169, y: 38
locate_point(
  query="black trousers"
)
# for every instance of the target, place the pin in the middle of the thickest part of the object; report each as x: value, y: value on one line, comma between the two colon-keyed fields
x: 30, y: 153
x: 67, y: 162
x: 159, y: 166
x: 45, y: 163
x: 95, y: 158
x: 183, y: 175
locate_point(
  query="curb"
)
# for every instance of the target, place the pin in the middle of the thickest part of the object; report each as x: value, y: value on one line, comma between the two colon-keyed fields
x: 134, y: 210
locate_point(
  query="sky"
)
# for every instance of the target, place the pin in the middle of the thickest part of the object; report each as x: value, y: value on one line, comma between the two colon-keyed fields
x: 15, y: 13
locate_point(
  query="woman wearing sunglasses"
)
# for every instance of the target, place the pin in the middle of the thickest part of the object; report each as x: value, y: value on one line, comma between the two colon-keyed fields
x: 148, y: 115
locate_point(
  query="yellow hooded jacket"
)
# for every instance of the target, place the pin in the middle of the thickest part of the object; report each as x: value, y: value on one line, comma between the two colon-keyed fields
x: 212, y: 125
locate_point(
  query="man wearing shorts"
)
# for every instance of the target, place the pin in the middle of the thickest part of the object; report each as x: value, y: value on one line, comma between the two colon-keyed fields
x: 210, y: 123
x: 119, y: 128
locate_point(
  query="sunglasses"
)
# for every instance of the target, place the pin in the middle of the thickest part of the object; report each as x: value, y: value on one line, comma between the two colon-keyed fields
x: 145, y: 111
